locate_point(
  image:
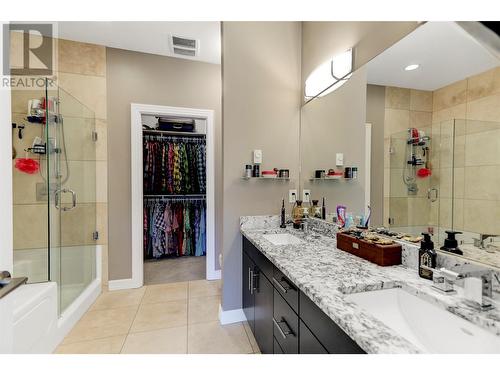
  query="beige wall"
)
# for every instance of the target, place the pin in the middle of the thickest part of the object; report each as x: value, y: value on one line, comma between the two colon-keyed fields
x: 261, y: 104
x: 81, y: 72
x: 375, y: 112
x: 334, y: 124
x: 149, y: 79
x: 476, y: 201
x: 322, y: 40
x: 404, y: 108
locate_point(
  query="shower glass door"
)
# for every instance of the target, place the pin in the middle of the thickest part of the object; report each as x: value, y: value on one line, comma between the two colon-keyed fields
x: 71, y: 169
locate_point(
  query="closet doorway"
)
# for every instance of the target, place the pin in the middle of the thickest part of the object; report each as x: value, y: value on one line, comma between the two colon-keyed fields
x: 173, y: 208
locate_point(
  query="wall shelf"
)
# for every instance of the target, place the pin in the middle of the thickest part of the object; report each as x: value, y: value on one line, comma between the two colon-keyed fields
x: 267, y: 178
x: 326, y: 179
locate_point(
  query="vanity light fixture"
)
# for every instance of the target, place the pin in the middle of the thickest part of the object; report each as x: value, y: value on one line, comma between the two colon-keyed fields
x: 412, y: 67
x: 330, y: 75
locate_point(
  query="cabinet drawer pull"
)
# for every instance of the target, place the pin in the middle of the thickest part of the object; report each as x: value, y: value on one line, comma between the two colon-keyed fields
x: 249, y: 279
x: 284, y: 288
x: 286, y: 331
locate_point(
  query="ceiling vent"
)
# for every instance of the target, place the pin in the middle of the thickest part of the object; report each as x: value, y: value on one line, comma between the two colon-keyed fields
x: 184, y: 46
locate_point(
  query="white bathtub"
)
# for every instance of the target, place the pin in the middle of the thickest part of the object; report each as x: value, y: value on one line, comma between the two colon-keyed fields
x: 29, y: 316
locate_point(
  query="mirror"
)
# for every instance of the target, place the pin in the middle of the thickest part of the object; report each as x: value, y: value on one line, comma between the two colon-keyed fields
x: 421, y: 123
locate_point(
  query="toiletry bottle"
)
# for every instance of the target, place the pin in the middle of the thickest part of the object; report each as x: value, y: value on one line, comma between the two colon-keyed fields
x: 297, y: 214
x: 283, y: 219
x: 426, y: 257
x: 323, y: 210
x: 315, y: 209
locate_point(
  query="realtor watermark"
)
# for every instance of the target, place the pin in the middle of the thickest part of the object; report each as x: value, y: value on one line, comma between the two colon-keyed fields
x: 28, y: 56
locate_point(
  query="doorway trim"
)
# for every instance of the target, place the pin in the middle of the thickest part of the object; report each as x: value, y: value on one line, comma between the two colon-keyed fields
x: 137, y: 185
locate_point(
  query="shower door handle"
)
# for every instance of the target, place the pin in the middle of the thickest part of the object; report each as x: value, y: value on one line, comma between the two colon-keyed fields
x: 429, y: 194
x: 57, y: 199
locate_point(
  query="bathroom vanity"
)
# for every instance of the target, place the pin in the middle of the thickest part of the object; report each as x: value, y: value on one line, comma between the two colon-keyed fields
x: 303, y: 295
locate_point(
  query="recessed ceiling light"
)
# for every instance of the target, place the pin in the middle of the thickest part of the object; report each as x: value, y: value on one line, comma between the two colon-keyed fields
x: 412, y: 67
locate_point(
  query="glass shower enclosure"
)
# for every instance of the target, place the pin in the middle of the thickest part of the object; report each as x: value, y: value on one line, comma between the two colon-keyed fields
x: 461, y: 191
x: 64, y: 191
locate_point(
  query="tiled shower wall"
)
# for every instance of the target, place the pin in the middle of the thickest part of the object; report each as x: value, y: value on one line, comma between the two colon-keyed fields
x: 475, y: 104
x: 476, y: 174
x: 404, y: 108
x: 80, y: 71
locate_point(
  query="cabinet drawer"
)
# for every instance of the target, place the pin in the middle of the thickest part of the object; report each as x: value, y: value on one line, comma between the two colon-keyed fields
x: 277, y: 348
x: 287, y: 289
x: 331, y: 336
x: 285, y: 325
x: 265, y: 266
x: 308, y: 343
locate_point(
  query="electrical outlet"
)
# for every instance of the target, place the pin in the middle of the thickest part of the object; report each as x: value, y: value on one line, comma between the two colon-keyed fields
x: 306, y: 195
x: 257, y: 156
x: 292, y: 195
x: 339, y: 159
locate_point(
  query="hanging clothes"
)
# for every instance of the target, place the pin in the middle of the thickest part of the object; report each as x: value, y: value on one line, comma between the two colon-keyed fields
x: 174, y: 165
x: 174, y: 227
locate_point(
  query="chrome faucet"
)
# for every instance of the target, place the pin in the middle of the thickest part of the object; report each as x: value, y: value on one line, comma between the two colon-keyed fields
x: 479, y: 242
x: 477, y: 284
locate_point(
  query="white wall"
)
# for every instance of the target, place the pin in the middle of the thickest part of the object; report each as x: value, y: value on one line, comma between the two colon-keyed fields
x: 5, y: 173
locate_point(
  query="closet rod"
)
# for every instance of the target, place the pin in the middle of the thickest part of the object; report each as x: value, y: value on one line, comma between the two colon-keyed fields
x: 174, y: 195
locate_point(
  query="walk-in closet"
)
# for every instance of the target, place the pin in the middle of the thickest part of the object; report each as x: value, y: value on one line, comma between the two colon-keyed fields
x: 174, y: 198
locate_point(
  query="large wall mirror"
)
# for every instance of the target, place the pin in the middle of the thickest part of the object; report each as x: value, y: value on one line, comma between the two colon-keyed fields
x: 414, y: 134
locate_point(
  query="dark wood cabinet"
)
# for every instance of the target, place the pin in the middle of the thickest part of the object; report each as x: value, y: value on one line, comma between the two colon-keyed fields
x: 328, y: 333
x: 308, y: 343
x: 248, y: 302
x: 263, y: 313
x: 257, y: 296
x: 282, y: 318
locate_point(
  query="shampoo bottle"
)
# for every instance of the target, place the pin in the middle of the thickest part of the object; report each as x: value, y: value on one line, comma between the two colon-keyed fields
x: 426, y: 257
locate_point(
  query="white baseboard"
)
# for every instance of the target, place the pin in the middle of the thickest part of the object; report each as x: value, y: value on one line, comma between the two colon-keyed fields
x: 122, y: 284
x: 214, y: 275
x: 231, y: 316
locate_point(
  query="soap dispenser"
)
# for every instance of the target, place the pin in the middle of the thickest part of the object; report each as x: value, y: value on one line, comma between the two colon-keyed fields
x: 451, y: 244
x: 426, y: 257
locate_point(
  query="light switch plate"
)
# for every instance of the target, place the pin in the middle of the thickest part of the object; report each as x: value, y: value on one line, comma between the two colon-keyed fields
x: 257, y: 156
x: 306, y: 195
x: 292, y: 195
x: 339, y: 159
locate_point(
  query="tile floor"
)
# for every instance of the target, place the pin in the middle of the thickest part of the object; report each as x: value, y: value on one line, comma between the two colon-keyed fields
x: 174, y: 270
x: 175, y: 318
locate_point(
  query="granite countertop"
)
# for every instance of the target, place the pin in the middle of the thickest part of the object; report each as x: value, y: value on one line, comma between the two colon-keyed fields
x: 326, y: 274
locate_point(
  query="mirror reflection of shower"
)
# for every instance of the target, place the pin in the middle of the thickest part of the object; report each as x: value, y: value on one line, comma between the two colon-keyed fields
x: 416, y: 160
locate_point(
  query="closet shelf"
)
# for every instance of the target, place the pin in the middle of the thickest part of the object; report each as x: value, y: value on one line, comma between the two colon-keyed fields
x: 326, y: 179
x: 168, y: 132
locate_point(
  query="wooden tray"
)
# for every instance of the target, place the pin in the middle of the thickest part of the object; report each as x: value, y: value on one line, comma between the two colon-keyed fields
x: 383, y: 255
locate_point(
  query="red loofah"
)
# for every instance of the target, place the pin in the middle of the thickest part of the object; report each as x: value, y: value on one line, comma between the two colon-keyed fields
x: 29, y: 166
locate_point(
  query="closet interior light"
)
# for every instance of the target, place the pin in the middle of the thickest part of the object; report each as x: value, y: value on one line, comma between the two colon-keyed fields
x: 330, y: 75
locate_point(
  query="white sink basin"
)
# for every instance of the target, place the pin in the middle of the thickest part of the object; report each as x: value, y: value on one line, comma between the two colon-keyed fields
x: 428, y: 327
x: 282, y: 239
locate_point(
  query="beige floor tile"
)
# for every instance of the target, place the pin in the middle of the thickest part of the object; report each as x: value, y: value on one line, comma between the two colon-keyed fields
x: 108, y: 345
x: 203, y: 309
x: 204, y: 288
x: 253, y: 342
x: 174, y: 270
x: 165, y: 293
x: 98, y: 324
x: 212, y: 338
x: 160, y: 315
x: 163, y: 341
x: 119, y: 298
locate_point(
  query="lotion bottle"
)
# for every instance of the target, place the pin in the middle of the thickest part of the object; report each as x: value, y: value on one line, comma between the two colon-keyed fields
x: 426, y: 257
